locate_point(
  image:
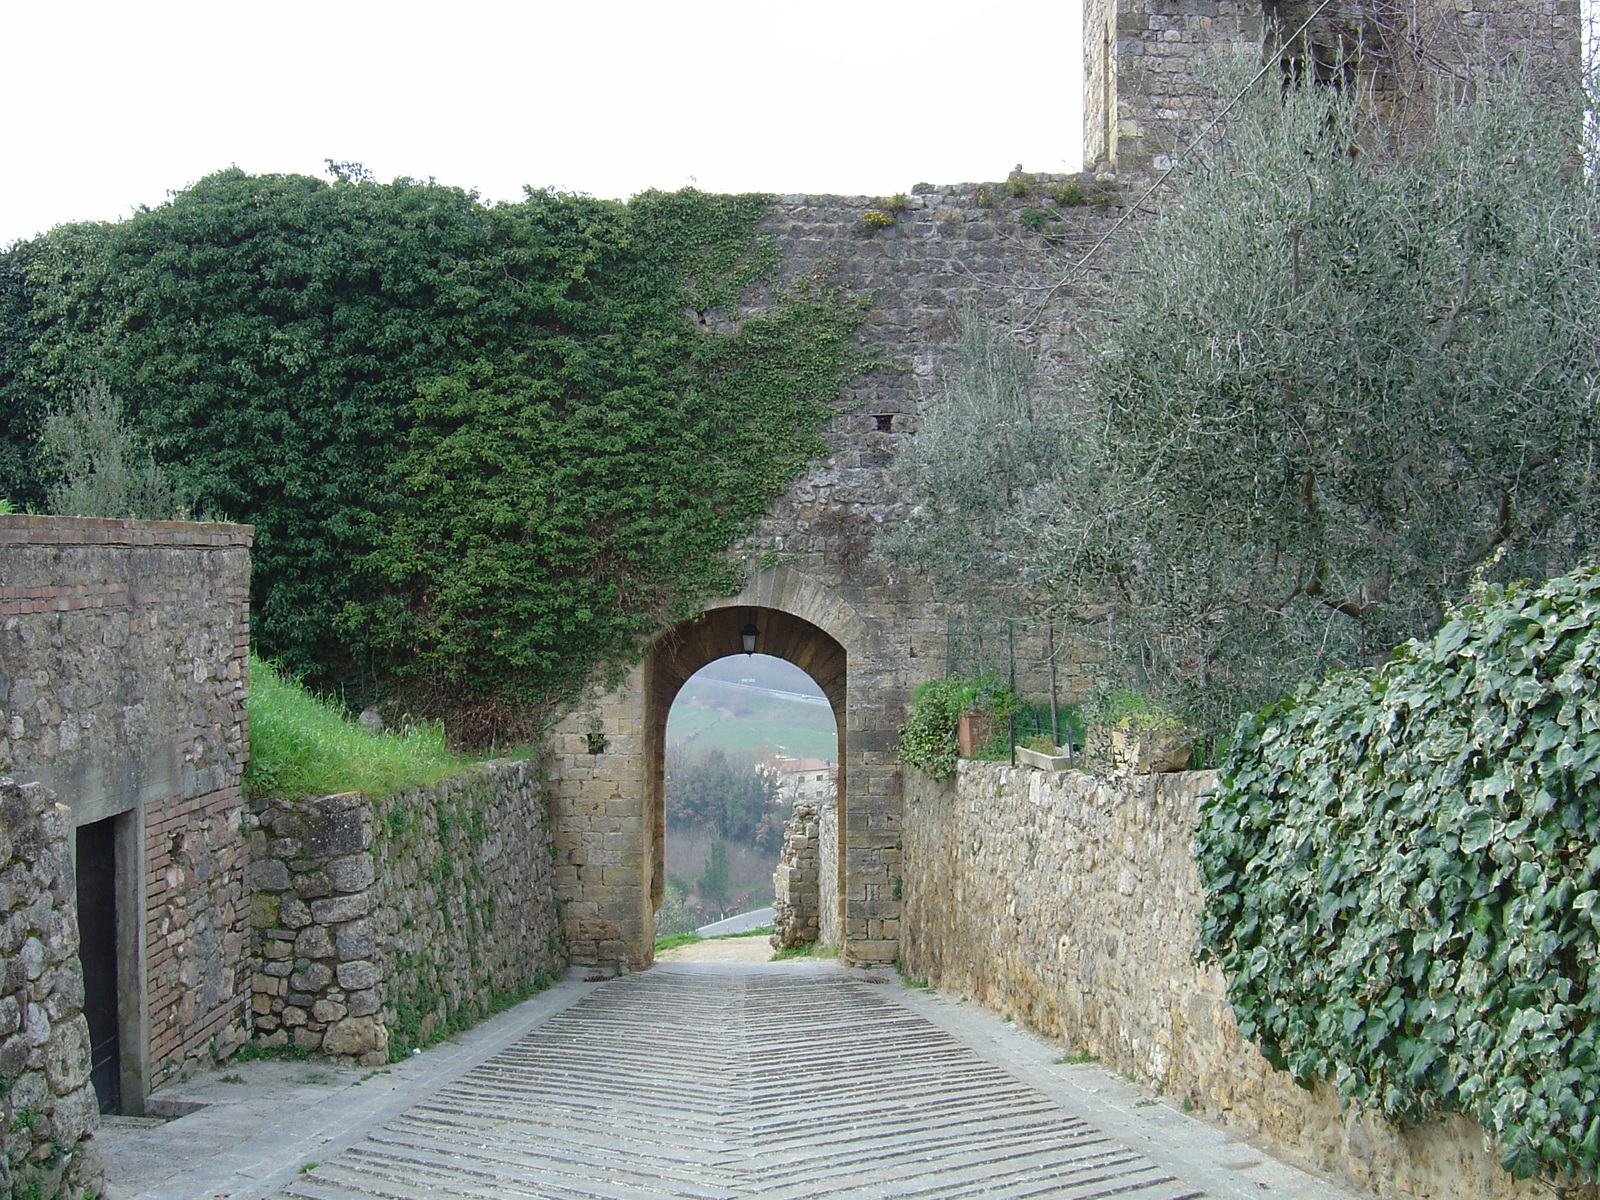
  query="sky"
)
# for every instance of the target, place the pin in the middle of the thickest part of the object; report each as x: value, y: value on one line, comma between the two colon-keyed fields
x: 112, y: 105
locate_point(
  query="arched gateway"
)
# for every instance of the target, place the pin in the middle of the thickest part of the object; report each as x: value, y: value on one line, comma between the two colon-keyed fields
x: 829, y: 605
x: 607, y: 778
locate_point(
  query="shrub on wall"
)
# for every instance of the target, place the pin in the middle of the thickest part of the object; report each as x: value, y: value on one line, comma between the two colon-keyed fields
x: 1402, y: 871
x: 928, y: 738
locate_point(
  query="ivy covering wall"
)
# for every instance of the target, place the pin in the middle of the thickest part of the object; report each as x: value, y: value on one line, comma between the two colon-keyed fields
x: 1403, y: 877
x: 484, y: 447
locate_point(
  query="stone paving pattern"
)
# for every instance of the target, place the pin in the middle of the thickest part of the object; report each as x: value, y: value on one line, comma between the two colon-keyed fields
x: 714, y: 1085
x: 698, y: 1079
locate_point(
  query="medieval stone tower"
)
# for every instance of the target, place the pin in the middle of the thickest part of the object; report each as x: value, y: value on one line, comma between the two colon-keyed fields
x: 1142, y: 93
x: 815, y: 593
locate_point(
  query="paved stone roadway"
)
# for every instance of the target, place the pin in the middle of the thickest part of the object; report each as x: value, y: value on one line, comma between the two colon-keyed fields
x: 761, y: 1083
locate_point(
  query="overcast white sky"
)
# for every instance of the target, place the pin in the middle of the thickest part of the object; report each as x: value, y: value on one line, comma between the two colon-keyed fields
x: 111, y: 105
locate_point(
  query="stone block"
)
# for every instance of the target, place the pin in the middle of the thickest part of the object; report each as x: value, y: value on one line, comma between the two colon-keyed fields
x: 355, y: 1036
x: 354, y: 940
x: 357, y: 975
x: 311, y: 884
x: 293, y: 913
x: 312, y: 978
x: 327, y: 834
x: 351, y: 873
x: 269, y: 875
x: 314, y: 941
x: 334, y: 909
x: 66, y: 1057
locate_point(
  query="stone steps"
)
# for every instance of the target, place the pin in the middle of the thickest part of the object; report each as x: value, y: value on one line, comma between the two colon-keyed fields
x: 693, y: 1085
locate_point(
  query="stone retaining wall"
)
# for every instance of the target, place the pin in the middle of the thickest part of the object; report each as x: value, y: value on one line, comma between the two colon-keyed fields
x: 1071, y: 903
x: 381, y: 924
x: 48, y: 1107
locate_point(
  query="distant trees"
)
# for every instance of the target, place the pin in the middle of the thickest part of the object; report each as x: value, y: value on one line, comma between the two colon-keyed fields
x: 714, y: 794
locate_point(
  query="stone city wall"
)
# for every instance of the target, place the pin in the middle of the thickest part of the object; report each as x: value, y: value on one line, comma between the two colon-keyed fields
x: 123, y: 673
x: 1071, y: 903
x: 381, y: 924
x: 48, y: 1107
x: 943, y: 248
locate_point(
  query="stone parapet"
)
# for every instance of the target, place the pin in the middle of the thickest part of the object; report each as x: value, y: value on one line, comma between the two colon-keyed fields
x: 48, y: 1107
x: 1072, y: 903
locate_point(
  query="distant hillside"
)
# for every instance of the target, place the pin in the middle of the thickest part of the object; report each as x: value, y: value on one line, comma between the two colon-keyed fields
x: 742, y: 720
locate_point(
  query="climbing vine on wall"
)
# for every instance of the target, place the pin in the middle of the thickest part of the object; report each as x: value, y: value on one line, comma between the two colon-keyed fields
x: 484, y: 447
x: 1402, y: 874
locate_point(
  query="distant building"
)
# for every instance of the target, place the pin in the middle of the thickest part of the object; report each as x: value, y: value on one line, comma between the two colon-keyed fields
x: 801, y: 778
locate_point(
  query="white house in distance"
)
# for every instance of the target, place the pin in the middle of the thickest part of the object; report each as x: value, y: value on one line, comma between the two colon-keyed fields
x: 801, y: 778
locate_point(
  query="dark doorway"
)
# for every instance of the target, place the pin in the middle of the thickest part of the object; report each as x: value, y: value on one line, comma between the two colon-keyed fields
x: 97, y: 936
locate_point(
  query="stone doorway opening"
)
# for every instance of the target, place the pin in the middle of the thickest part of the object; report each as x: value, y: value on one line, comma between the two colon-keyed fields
x: 726, y: 633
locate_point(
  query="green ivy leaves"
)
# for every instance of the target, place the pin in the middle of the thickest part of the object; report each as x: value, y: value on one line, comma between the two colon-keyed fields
x: 485, y: 449
x: 1402, y: 871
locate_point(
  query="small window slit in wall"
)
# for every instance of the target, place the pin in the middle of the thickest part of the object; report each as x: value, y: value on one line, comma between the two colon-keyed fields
x: 885, y: 422
x: 597, y: 742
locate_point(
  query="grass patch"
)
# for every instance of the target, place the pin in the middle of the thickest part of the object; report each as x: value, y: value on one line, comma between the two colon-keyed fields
x: 301, y: 745
x: 807, y: 950
x: 673, y: 940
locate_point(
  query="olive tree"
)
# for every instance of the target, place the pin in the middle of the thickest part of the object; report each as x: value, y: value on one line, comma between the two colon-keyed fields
x: 1346, y: 373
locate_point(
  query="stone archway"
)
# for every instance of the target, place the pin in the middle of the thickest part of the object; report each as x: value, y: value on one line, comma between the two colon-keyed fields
x: 608, y: 760
x: 681, y: 651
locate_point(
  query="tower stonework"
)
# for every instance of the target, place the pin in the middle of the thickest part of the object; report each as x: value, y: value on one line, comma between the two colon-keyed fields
x: 1145, y: 94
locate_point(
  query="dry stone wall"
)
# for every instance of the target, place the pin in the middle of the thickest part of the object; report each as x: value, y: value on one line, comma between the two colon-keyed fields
x: 381, y: 924
x: 794, y: 883
x: 48, y: 1107
x: 1071, y: 903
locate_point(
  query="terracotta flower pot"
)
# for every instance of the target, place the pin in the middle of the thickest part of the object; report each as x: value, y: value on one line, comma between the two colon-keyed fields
x: 972, y: 732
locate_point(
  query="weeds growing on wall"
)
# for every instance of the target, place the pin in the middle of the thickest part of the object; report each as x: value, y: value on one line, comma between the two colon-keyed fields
x: 1402, y: 873
x: 928, y: 738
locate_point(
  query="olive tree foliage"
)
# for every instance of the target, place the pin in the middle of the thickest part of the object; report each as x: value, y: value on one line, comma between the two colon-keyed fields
x: 983, y: 444
x: 1345, y: 374
x: 99, y: 465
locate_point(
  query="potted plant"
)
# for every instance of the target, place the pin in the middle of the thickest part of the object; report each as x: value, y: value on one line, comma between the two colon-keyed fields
x: 984, y: 705
x: 951, y: 717
x: 1137, y: 734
